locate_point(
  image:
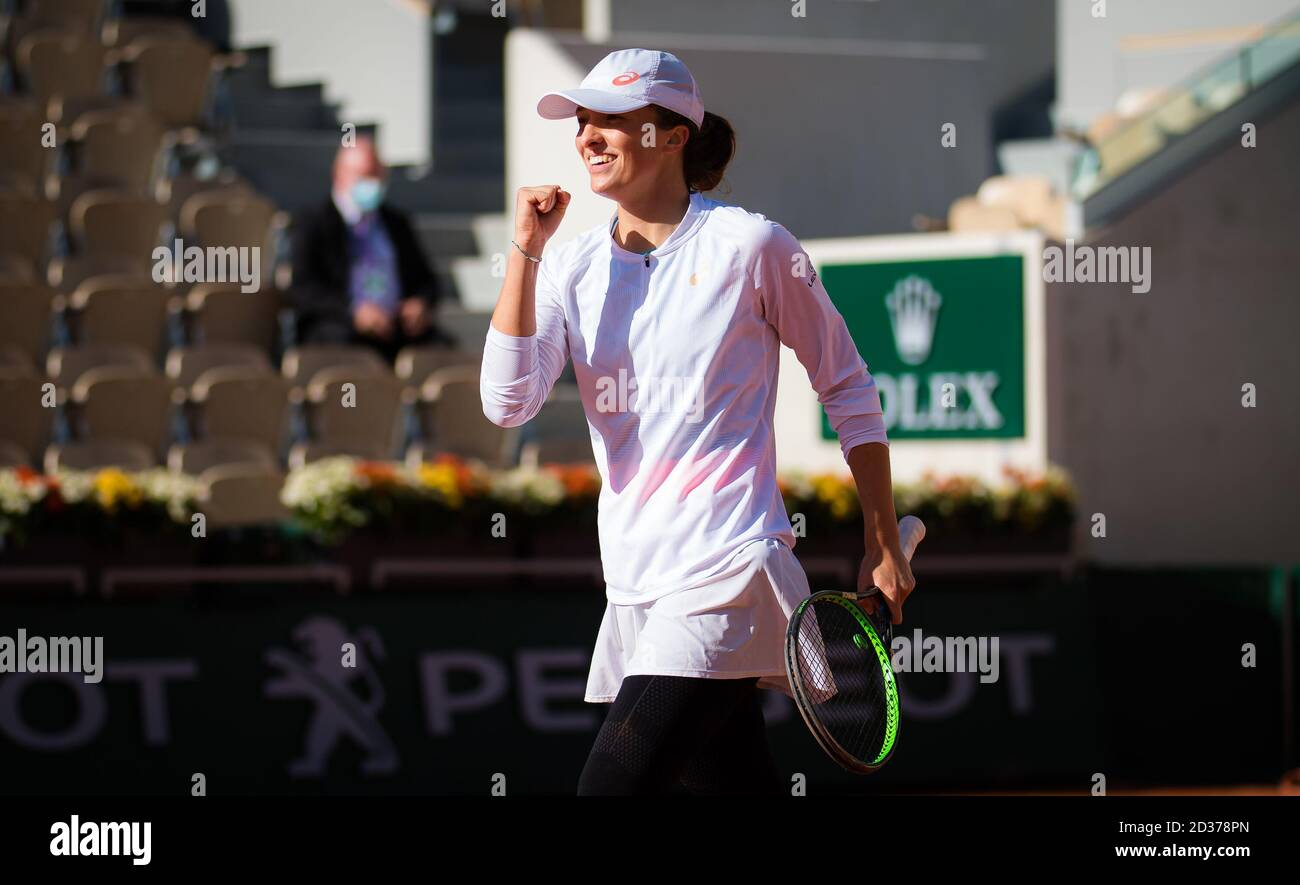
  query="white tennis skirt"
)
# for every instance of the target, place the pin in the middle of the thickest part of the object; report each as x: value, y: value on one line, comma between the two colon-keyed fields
x: 730, y: 626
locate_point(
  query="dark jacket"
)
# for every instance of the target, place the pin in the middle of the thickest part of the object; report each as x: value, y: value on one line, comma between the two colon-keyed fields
x: 321, y: 265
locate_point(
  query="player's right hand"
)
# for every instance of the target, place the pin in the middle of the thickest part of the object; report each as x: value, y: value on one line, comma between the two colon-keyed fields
x: 538, y: 213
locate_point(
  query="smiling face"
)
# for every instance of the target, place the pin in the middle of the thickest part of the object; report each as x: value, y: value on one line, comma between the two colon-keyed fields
x: 623, y: 161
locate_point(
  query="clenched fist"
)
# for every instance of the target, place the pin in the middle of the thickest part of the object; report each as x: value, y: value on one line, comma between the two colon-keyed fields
x: 538, y: 213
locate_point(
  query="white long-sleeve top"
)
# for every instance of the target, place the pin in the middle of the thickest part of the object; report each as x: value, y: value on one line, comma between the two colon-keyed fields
x: 676, y: 355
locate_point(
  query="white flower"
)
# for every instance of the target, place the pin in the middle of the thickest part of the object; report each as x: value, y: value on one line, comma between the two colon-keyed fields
x: 17, y: 497
x: 75, y: 486
x: 176, y: 491
x: 314, y: 485
x: 523, y: 485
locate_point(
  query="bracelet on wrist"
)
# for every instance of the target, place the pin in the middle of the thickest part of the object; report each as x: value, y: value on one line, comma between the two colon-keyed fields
x: 525, y: 254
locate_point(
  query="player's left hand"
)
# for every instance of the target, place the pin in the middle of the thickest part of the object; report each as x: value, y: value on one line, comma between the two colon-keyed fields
x: 888, y: 569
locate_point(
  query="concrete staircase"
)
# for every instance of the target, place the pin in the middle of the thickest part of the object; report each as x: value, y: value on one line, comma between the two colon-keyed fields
x: 283, y: 140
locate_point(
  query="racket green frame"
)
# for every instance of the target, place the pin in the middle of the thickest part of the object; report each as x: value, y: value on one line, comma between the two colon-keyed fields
x: 893, y: 707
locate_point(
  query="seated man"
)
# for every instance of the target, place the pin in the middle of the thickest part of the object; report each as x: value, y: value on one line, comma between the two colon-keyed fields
x: 359, y: 275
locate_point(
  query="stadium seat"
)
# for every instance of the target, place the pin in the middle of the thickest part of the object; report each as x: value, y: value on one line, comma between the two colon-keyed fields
x: 241, y: 495
x: 468, y: 327
x: 221, y: 313
x: 300, y: 364
x: 22, y: 155
x: 119, y: 310
x: 177, y: 190
x: 67, y: 272
x: 240, y: 402
x: 98, y: 453
x: 18, y: 185
x: 12, y: 455
x: 65, y: 189
x: 117, y: 147
x: 364, y: 416
x: 556, y: 451
x: 28, y: 421
x: 414, y: 365
x: 14, y: 360
x: 198, y: 457
x: 25, y: 227
x: 559, y: 432
x: 124, y: 31
x: 25, y: 315
x: 61, y: 68
x: 15, y: 269
x: 226, y: 218
x: 116, y: 222
x: 114, y: 402
x: 73, y: 15
x: 304, y: 453
x: 65, y: 365
x: 185, y: 365
x: 172, y: 77
x: 452, y: 419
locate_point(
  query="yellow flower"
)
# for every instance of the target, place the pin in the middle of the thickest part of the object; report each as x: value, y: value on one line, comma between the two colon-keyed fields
x: 839, y: 495
x: 113, y: 487
x: 442, y: 478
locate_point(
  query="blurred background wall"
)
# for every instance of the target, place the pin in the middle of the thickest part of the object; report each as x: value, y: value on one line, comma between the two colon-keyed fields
x: 1143, y: 45
x: 378, y: 67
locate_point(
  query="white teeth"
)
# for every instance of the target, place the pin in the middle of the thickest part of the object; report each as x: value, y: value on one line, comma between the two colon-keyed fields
x: 600, y: 160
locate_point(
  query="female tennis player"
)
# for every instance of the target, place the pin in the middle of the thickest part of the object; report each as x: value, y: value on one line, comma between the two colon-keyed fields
x: 674, y: 314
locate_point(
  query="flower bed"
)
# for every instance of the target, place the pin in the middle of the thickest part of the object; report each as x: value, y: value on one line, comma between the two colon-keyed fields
x: 451, y: 506
x: 556, y: 506
x: 1027, y: 513
x: 104, y: 505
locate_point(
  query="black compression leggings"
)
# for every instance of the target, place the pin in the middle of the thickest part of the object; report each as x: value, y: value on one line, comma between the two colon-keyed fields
x: 680, y: 734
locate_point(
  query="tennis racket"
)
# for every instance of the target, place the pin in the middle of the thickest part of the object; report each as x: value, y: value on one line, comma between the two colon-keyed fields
x: 837, y: 658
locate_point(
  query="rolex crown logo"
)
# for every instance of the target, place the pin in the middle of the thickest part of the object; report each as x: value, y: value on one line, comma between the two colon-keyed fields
x: 913, y: 313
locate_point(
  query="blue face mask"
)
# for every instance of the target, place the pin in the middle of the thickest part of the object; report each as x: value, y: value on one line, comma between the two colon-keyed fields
x: 368, y: 194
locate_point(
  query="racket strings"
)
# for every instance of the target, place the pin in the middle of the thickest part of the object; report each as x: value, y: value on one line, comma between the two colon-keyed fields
x: 846, y: 682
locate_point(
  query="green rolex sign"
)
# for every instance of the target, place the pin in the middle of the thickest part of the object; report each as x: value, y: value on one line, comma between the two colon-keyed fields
x: 945, y: 342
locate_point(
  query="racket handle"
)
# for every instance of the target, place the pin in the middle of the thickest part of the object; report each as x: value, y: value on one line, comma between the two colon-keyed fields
x: 910, y: 532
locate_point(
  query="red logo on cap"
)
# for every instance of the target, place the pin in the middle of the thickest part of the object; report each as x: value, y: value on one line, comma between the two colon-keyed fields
x: 624, y: 79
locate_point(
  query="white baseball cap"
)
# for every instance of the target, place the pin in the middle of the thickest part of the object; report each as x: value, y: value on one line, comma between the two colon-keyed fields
x: 627, y: 80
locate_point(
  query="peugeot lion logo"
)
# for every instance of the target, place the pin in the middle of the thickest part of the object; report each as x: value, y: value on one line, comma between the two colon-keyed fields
x: 913, y: 313
x: 339, y: 711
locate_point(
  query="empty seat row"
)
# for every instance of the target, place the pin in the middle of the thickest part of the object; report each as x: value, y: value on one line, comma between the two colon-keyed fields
x: 129, y: 226
x: 239, y: 482
x: 361, y: 409
x: 69, y: 70
x: 111, y: 147
x: 184, y: 365
x: 131, y: 310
